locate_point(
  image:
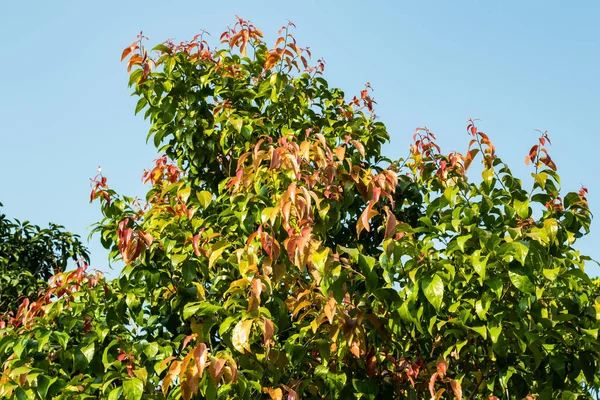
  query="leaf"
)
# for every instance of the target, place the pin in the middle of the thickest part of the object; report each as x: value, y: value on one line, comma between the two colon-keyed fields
x: 275, y: 394
x: 319, y: 258
x: 521, y: 208
x: 495, y: 333
x: 133, y: 389
x: 268, y: 331
x: 462, y: 240
x: 200, y: 355
x: 240, y: 336
x: 488, y: 175
x: 200, y: 309
x: 390, y: 224
x: 359, y: 146
x: 433, y: 288
x: 551, y: 273
x: 205, y: 198
x: 479, y: 264
x: 330, y: 309
x: 363, y: 221
x: 521, y: 281
x: 142, y: 102
x: 517, y: 250
x: 591, y: 332
x: 215, y: 252
x: 482, y: 330
x: 551, y: 226
x: 216, y: 369
x: 456, y: 388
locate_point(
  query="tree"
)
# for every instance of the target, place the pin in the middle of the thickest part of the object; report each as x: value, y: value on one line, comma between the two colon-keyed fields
x: 30, y: 255
x: 278, y: 254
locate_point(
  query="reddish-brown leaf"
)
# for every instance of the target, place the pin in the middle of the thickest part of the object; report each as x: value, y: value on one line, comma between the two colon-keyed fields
x: 269, y: 329
x: 456, y: 388
x: 432, y: 385
x: 390, y: 225
x: 216, y: 369
x: 359, y: 146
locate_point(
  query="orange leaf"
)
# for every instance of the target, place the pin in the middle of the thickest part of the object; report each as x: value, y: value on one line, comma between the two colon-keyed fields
x: 330, y: 309
x: 269, y: 329
x: 359, y: 146
x: 367, y: 214
x: 456, y: 388
x: 245, y: 37
x: 216, y: 369
x: 340, y: 152
x: 129, y: 49
x: 200, y: 355
x: 275, y: 394
x: 432, y: 385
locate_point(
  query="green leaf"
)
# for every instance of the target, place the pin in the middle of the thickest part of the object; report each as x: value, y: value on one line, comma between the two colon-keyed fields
x: 568, y: 395
x: 521, y: 208
x: 551, y: 274
x: 43, y: 383
x: 591, y: 332
x: 133, y: 389
x: 366, y: 263
x: 162, y: 47
x: 433, y: 288
x: 83, y: 356
x: 177, y: 259
x: 205, y: 198
x: 495, y: 333
x: 115, y: 394
x: 142, y: 102
x: 188, y: 271
x: 461, y: 240
x: 200, y: 309
x: 319, y: 258
x: 150, y: 349
x: 521, y: 281
x: 517, y: 250
x: 237, y: 123
x: 482, y: 330
x: 479, y: 264
x: 551, y: 226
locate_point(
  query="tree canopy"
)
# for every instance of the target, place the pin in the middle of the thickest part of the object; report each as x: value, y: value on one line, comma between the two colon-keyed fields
x: 30, y: 255
x: 279, y: 254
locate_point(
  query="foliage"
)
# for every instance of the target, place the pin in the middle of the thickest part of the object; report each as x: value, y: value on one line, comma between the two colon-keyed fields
x: 30, y: 255
x: 278, y: 254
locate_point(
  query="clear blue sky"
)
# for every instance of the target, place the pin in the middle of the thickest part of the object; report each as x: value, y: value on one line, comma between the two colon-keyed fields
x: 518, y: 66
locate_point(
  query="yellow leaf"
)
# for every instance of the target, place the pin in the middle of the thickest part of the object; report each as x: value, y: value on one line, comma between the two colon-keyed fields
x: 240, y: 336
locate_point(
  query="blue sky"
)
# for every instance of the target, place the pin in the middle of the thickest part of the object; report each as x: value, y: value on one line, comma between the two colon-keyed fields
x: 518, y: 66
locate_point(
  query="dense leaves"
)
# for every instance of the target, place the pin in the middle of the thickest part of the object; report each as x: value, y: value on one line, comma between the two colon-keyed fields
x: 278, y: 254
x: 29, y: 256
